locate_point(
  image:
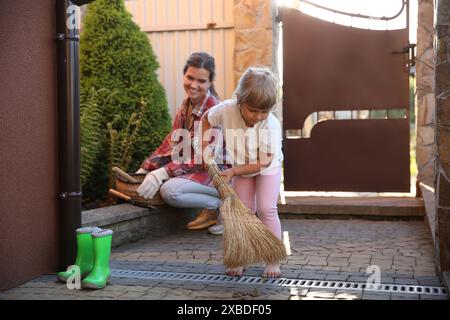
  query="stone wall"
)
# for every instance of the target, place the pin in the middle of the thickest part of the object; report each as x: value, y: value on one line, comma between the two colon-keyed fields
x: 256, y: 38
x: 425, y: 108
x: 433, y: 123
x: 253, y: 35
x: 442, y: 144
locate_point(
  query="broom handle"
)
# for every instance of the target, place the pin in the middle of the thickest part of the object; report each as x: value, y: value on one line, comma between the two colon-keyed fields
x: 213, y: 170
x: 221, y: 185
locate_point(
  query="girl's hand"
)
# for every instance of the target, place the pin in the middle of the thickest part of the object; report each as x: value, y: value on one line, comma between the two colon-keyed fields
x: 227, y: 174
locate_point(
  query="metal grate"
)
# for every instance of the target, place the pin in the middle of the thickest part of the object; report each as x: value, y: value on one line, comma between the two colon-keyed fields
x: 285, y: 282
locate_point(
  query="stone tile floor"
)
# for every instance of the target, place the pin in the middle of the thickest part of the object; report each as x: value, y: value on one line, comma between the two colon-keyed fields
x: 339, y: 250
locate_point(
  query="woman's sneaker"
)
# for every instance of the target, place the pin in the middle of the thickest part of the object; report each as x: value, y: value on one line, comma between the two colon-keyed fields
x: 216, y: 229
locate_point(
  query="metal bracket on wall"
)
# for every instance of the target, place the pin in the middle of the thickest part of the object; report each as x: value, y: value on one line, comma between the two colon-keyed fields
x: 67, y: 195
x: 410, y: 50
x: 63, y: 37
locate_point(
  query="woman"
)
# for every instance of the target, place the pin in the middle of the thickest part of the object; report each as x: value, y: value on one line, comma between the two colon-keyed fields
x: 186, y: 185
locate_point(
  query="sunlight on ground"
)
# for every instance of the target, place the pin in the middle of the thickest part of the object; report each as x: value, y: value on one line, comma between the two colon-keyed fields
x: 287, y: 194
x: 287, y: 243
x: 304, y: 294
x: 346, y: 296
x: 351, y: 194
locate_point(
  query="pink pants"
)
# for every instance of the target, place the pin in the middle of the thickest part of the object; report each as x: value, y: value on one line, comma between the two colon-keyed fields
x: 260, y: 194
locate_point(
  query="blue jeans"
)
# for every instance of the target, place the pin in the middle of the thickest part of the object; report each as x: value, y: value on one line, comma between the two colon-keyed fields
x: 184, y: 193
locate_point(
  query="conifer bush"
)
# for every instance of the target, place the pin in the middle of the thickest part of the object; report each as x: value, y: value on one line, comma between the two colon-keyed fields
x: 115, y: 55
x: 92, y: 131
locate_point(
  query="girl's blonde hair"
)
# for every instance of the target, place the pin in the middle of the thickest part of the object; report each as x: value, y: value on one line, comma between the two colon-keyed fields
x: 257, y: 88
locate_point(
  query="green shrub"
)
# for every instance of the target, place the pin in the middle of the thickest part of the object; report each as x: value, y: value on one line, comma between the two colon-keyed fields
x: 121, y: 143
x: 117, y: 56
x: 92, y: 130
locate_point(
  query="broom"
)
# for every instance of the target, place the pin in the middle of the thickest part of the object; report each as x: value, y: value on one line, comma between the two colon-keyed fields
x: 246, y: 240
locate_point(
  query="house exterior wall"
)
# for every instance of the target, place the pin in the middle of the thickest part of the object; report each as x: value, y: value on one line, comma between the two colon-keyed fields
x: 28, y: 142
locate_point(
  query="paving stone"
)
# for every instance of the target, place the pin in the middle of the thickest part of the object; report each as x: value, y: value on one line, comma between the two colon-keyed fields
x: 311, y: 268
x: 278, y: 297
x: 400, y: 296
x: 342, y: 264
x: 319, y: 293
x: 368, y: 295
x: 357, y: 279
x: 432, y: 297
x: 428, y: 281
x: 219, y: 294
x: 406, y: 281
x: 312, y: 276
x: 386, y: 280
x: 348, y: 294
x: 328, y: 269
x: 339, y: 255
x: 174, y: 297
x: 403, y: 274
x: 336, y: 277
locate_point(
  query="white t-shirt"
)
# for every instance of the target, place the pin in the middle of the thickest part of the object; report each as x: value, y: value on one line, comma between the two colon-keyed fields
x: 243, y: 143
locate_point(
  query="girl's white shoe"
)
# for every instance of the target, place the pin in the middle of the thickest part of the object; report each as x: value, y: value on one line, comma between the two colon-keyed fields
x: 216, y: 229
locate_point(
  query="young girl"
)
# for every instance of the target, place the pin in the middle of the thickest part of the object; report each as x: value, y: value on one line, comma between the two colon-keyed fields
x: 253, y: 144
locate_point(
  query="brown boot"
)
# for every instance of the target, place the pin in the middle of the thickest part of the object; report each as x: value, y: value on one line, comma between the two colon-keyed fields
x: 204, y: 219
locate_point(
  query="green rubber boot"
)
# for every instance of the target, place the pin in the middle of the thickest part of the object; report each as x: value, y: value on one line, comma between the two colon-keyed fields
x: 99, y: 276
x: 85, y: 253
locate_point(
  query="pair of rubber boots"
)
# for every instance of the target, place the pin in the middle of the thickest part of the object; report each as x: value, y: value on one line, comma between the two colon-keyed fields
x: 93, y: 253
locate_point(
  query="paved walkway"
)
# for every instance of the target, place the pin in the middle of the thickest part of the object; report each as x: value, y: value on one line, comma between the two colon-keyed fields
x: 332, y: 250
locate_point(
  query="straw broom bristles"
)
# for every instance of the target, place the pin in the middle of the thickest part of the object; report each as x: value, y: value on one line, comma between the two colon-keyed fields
x: 246, y: 240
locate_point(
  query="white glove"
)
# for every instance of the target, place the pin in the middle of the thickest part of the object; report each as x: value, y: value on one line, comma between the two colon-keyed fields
x: 141, y: 171
x: 152, y: 182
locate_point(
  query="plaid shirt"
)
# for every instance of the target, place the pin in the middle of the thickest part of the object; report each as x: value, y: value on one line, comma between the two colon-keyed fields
x: 161, y: 157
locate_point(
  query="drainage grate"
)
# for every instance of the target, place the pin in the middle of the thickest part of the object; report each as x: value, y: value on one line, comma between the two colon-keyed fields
x: 285, y: 282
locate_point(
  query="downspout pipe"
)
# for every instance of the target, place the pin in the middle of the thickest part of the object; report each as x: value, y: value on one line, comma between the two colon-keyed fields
x: 69, y: 171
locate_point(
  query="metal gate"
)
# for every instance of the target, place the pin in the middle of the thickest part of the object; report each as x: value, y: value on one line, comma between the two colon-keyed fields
x: 345, y: 105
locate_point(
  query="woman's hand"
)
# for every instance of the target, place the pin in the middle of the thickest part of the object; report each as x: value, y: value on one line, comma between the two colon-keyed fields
x: 227, y: 175
x: 152, y: 182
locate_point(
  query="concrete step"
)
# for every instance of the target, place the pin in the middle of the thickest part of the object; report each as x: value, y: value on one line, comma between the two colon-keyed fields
x: 131, y: 223
x: 377, y: 207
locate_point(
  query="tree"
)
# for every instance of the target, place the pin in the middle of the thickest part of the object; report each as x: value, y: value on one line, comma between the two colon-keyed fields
x: 115, y: 55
